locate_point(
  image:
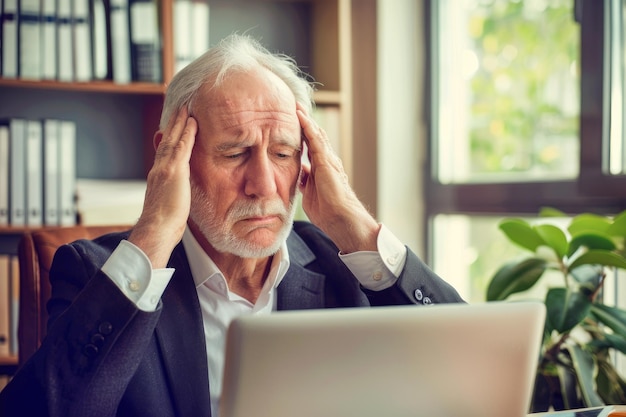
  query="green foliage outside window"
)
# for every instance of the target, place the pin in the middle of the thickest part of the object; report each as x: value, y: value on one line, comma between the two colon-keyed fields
x: 524, y: 90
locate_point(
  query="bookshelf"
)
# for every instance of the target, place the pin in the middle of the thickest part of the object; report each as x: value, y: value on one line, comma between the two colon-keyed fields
x: 333, y: 40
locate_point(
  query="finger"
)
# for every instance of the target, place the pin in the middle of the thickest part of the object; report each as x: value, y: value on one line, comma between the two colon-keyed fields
x: 314, y: 136
x: 188, y: 136
x: 179, y: 137
x: 176, y: 119
x: 320, y: 150
x: 174, y: 128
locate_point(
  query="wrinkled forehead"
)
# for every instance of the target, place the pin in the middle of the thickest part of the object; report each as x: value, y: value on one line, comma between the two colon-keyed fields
x: 247, y: 95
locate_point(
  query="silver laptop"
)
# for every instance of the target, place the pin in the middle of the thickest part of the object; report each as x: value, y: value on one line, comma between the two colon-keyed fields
x: 456, y: 360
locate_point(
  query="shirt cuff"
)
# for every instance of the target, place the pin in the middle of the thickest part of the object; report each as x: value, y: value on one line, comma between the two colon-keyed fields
x: 130, y: 269
x: 378, y: 270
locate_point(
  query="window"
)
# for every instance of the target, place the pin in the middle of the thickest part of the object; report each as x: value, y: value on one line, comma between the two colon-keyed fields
x: 615, y: 84
x: 507, y: 98
x: 527, y: 104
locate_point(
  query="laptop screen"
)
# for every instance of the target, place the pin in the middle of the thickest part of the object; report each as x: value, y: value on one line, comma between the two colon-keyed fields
x: 443, y: 360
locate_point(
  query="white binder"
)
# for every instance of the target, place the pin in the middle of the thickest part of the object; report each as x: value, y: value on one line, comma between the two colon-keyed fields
x: 4, y: 173
x: 49, y: 52
x: 10, y: 19
x: 120, y: 41
x: 67, y: 167
x: 81, y: 36
x: 34, y: 178
x: 64, y: 37
x: 51, y: 172
x: 17, y: 174
x: 30, y: 40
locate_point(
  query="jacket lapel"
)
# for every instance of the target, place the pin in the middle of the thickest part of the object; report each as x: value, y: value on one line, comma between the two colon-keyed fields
x: 180, y: 334
x: 180, y: 329
x: 300, y: 288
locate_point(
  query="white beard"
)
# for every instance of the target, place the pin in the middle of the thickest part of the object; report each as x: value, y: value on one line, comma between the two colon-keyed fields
x: 219, y: 234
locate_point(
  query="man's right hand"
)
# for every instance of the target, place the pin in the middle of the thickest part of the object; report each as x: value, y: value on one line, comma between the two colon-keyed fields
x: 168, y: 194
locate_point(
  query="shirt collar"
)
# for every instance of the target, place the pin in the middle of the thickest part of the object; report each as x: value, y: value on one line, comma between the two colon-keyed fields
x: 203, y: 268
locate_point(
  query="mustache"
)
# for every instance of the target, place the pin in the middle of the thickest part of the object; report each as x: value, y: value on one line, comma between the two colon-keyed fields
x: 245, y: 209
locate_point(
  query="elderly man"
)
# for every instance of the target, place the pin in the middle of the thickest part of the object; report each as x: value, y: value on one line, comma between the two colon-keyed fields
x: 138, y: 319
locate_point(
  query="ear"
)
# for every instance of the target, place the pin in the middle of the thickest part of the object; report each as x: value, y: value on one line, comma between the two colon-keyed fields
x: 157, y: 139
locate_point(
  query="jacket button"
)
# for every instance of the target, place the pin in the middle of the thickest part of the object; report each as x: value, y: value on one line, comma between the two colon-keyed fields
x: 105, y: 328
x: 427, y: 301
x: 418, y: 295
x: 97, y: 340
x: 90, y: 350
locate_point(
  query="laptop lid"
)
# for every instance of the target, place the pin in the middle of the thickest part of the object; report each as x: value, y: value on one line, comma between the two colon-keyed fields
x: 443, y: 360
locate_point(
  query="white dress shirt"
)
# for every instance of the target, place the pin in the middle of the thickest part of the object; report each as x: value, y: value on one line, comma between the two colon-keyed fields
x: 130, y: 269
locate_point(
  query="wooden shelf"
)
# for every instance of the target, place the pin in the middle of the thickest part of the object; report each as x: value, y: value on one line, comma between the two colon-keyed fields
x: 12, y: 230
x: 10, y: 238
x: 8, y: 360
x: 327, y: 98
x: 87, y: 87
x: 8, y: 365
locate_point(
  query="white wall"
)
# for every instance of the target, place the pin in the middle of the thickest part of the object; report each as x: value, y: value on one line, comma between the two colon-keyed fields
x: 401, y: 130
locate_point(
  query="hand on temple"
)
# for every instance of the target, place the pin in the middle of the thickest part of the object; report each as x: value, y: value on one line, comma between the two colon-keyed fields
x: 168, y: 195
x: 327, y: 197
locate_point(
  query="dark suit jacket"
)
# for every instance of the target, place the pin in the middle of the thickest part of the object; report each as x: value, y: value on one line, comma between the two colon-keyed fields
x: 104, y: 357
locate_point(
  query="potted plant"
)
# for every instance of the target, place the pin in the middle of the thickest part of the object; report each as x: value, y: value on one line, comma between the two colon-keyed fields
x: 581, y: 333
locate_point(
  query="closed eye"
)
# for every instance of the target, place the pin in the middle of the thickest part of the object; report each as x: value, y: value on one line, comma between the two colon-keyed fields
x: 286, y: 152
x: 235, y: 152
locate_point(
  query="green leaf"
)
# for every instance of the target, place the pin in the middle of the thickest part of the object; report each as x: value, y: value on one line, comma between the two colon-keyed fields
x: 610, y: 341
x: 618, y: 227
x: 566, y: 308
x: 599, y: 257
x: 568, y: 384
x: 515, y: 277
x: 521, y: 233
x: 611, y: 387
x: 588, y: 223
x: 586, y: 370
x: 590, y: 241
x: 554, y: 238
x: 551, y: 212
x: 612, y: 317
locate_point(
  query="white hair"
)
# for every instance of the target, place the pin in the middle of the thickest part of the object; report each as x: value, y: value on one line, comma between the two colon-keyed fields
x: 234, y: 53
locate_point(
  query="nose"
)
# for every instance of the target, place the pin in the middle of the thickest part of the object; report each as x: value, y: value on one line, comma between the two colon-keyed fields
x: 260, y: 180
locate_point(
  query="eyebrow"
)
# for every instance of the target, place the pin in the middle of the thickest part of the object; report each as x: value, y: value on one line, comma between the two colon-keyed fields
x: 245, y: 144
x: 231, y: 145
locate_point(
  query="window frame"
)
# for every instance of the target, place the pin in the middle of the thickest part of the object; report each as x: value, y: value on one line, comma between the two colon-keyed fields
x: 593, y: 190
